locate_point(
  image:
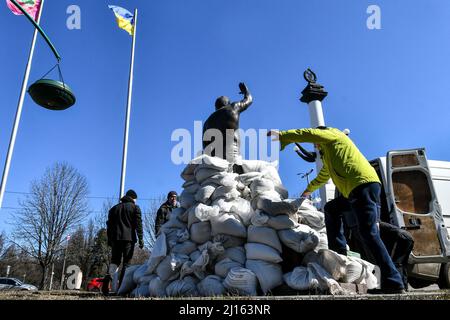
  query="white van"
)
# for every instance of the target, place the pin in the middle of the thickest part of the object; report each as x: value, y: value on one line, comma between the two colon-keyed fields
x: 416, y: 197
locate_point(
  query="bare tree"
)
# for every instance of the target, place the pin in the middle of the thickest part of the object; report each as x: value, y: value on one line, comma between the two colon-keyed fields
x: 56, y: 204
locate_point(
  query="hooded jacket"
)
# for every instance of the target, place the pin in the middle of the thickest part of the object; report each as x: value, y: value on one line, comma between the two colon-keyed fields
x: 342, y: 160
x: 125, y: 222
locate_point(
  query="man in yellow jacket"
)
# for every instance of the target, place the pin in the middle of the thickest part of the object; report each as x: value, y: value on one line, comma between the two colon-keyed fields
x: 358, y: 182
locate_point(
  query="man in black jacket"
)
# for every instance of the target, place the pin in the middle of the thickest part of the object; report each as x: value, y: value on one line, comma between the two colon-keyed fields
x: 124, y: 228
x: 166, y: 208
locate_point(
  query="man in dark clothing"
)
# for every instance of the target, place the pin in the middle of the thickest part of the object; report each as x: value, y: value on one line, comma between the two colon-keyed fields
x: 225, y: 122
x: 124, y: 228
x: 166, y: 208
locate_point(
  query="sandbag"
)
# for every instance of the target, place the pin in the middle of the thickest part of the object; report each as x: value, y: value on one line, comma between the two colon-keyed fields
x: 182, y: 288
x: 209, y: 162
x: 325, y: 280
x: 214, y: 249
x: 204, y: 193
x: 192, y: 218
x: 323, y: 241
x: 206, y: 213
x: 159, y: 251
x: 333, y: 262
x: 235, y: 253
x: 227, y: 193
x: 221, y: 179
x: 169, y: 268
x: 229, y: 241
x: 371, y: 273
x: 185, y: 248
x: 140, y: 272
x: 186, y: 199
x: 260, y: 186
x: 195, y: 255
x: 301, y: 239
x: 142, y: 291
x: 311, y: 217
x: 157, y: 287
x: 177, y: 213
x: 282, y: 191
x: 191, y: 186
x: 202, y: 173
x: 211, y: 286
x: 274, y: 208
x: 224, y: 266
x: 200, y: 232
x: 265, y: 236
x: 260, y: 219
x: 282, y: 222
x: 228, y: 224
x: 175, y: 236
x: 241, y: 281
x: 128, y: 284
x: 301, y: 278
x: 173, y: 223
x: 271, y: 173
x: 258, y: 251
x: 257, y: 165
x: 247, y: 178
x: 243, y: 209
x: 269, y: 274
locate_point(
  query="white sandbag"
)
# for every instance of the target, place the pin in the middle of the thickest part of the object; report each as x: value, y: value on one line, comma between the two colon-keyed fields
x: 173, y: 223
x: 323, y: 241
x: 159, y: 251
x: 145, y: 280
x: 274, y: 208
x: 175, y: 236
x: 241, y: 281
x: 310, y: 257
x: 259, y: 186
x: 235, y: 253
x: 229, y: 241
x: 186, y: 247
x: 228, y: 224
x: 182, y: 288
x: 221, y: 179
x: 333, y: 263
x: 258, y: 251
x: 301, y: 239
x: 191, y: 186
x: 209, y: 162
x: 311, y: 217
x: 224, y: 266
x: 191, y: 215
x: 201, y: 174
x: 200, y: 232
x: 301, y: 278
x: 247, y: 178
x: 271, y: 173
x: 282, y: 222
x: 206, y: 213
x: 260, y: 219
x: 243, y: 209
x: 354, y: 272
x: 200, y: 264
x: 128, y: 284
x: 211, y: 286
x: 157, y: 287
x: 265, y: 236
x: 187, y: 199
x: 257, y: 165
x: 204, y: 193
x: 372, y: 273
x: 169, y: 268
x: 269, y: 274
x: 227, y: 193
x: 142, y: 291
x: 325, y: 280
x: 282, y: 191
x: 214, y: 249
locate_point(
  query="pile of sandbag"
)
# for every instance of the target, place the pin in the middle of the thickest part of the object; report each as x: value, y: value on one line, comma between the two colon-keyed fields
x: 228, y: 237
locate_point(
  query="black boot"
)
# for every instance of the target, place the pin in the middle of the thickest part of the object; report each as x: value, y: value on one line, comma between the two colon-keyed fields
x: 105, y: 286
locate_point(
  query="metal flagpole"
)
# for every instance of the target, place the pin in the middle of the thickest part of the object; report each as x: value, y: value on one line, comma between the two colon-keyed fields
x: 12, y: 140
x: 127, y: 121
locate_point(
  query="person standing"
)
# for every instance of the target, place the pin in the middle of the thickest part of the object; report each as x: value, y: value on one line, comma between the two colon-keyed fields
x: 358, y: 182
x: 124, y: 229
x: 166, y: 208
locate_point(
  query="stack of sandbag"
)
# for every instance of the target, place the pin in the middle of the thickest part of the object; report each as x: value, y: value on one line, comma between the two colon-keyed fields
x: 228, y: 237
x: 315, y: 219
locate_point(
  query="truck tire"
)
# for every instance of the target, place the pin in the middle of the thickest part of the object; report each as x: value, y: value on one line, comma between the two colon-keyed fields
x: 417, y: 283
x: 444, y: 276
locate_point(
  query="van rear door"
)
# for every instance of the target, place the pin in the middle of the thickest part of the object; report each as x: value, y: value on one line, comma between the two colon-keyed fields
x: 414, y: 204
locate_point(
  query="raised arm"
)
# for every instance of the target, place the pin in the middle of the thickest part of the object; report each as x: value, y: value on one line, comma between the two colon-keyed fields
x: 242, y: 105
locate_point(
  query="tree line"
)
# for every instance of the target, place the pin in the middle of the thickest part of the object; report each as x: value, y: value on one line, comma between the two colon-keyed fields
x: 56, y: 207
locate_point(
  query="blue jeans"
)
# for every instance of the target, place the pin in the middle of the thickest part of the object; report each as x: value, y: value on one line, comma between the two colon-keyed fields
x: 364, y: 201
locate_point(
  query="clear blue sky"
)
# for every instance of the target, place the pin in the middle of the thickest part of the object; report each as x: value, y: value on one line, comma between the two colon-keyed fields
x: 389, y: 86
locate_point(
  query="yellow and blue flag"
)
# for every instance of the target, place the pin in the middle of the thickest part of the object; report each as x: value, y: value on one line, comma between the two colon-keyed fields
x: 125, y: 19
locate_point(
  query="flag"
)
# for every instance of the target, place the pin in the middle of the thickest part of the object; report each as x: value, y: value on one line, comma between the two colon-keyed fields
x: 125, y: 18
x: 31, y: 7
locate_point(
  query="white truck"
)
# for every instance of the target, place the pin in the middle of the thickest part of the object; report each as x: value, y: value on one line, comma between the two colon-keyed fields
x: 416, y: 197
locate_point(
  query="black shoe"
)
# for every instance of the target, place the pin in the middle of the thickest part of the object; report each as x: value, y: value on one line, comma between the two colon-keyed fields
x: 105, y: 287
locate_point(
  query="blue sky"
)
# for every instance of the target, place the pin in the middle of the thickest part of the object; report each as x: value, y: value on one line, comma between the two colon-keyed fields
x: 388, y: 86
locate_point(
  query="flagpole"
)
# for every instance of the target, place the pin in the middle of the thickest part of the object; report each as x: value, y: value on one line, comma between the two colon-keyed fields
x: 12, y: 140
x: 127, y: 120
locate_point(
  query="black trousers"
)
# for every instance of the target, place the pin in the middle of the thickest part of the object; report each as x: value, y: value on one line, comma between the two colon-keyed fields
x: 122, y: 251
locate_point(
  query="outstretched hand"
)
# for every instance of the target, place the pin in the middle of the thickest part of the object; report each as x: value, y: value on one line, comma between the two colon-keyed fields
x: 243, y: 88
x: 275, y: 134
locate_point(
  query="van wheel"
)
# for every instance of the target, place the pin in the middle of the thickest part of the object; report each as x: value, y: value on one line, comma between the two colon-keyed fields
x: 444, y: 276
x: 417, y: 283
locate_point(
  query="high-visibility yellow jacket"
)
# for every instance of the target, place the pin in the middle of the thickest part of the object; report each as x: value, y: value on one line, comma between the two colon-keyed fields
x: 342, y: 160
